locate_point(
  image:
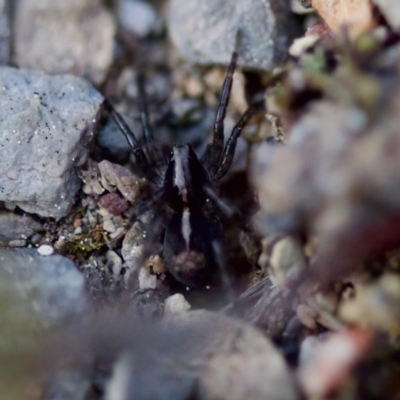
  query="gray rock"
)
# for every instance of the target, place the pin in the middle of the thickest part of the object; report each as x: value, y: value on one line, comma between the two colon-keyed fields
x: 14, y: 227
x: 52, y: 287
x: 5, y: 32
x: 391, y: 11
x: 204, y: 32
x: 138, y: 17
x: 64, y: 36
x: 45, y: 124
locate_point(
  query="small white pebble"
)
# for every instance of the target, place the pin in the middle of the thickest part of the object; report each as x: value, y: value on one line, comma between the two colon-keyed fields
x: 108, y: 225
x: 146, y: 279
x: 103, y: 212
x: 176, y: 304
x: 17, y: 243
x: 78, y: 230
x: 45, y: 250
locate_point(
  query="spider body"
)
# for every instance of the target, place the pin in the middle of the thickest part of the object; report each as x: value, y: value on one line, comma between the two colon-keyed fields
x: 185, y: 183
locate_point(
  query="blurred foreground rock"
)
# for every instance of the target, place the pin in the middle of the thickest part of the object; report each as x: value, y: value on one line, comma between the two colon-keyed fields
x: 204, y: 32
x: 46, y: 123
x: 51, y: 287
x: 338, y: 177
x: 207, y: 355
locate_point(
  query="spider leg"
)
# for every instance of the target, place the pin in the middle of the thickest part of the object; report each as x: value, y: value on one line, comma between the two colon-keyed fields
x: 227, y: 209
x: 220, y: 260
x: 214, y: 151
x: 229, y: 150
x: 140, y: 156
x: 144, y: 118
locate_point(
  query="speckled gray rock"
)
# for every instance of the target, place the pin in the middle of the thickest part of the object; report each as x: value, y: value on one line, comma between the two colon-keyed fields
x: 13, y: 226
x: 51, y: 286
x: 64, y: 36
x: 204, y: 32
x: 45, y: 125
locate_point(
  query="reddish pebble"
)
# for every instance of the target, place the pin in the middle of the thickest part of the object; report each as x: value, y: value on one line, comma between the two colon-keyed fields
x: 77, y: 223
x: 113, y: 203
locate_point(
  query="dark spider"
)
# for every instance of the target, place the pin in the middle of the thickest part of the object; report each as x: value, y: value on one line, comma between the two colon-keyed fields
x: 192, y: 249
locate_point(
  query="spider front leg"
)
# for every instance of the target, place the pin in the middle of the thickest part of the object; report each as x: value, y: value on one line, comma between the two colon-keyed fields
x: 213, y: 152
x: 229, y: 150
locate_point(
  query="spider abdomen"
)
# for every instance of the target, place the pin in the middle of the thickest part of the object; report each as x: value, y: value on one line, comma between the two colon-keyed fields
x: 188, y: 249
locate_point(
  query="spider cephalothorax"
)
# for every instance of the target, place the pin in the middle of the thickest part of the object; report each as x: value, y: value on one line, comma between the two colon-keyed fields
x: 184, y: 182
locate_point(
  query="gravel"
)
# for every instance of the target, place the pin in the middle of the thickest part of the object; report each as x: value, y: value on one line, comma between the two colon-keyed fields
x: 47, y: 122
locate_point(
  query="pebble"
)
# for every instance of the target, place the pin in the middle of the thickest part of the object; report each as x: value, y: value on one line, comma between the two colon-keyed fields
x: 287, y: 261
x: 109, y: 225
x: 357, y: 15
x: 116, y: 176
x: 103, y: 212
x: 17, y: 243
x: 78, y: 230
x: 113, y: 203
x: 138, y: 17
x: 114, y: 262
x: 176, y: 304
x: 45, y: 250
x: 146, y: 279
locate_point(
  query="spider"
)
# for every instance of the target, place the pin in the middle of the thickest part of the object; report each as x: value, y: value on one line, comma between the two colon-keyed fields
x: 185, y: 183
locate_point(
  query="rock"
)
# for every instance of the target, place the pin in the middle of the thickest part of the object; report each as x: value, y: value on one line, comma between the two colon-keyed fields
x: 205, y: 32
x: 52, y: 286
x: 207, y: 355
x: 14, y: 226
x: 287, y: 262
x: 391, y: 11
x: 375, y: 305
x: 17, y: 243
x: 357, y: 15
x: 45, y: 250
x: 147, y: 280
x: 64, y: 36
x: 114, y: 176
x: 114, y: 262
x: 138, y: 17
x: 176, y: 304
x: 43, y: 140
x: 113, y: 203
x: 5, y: 32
